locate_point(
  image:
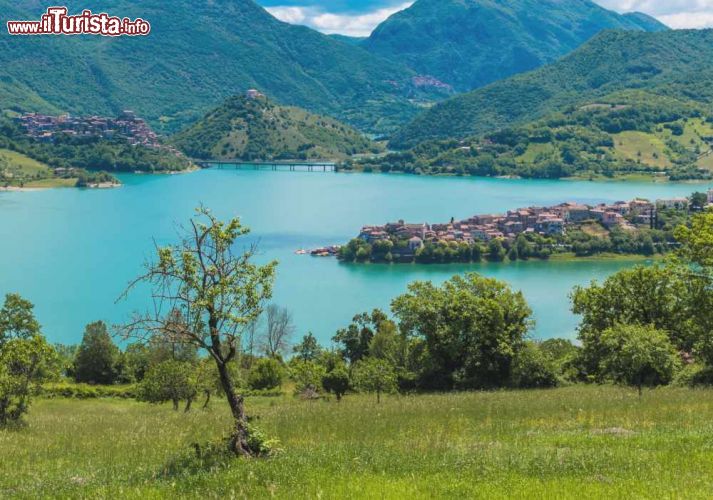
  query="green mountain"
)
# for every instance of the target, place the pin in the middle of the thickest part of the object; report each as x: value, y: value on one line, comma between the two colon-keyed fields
x: 646, y: 22
x: 257, y: 129
x: 471, y: 43
x: 199, y: 53
x: 670, y: 63
x: 629, y: 133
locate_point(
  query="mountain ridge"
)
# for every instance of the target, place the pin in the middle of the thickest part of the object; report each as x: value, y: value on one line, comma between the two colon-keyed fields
x: 669, y: 62
x: 471, y: 43
x: 199, y: 53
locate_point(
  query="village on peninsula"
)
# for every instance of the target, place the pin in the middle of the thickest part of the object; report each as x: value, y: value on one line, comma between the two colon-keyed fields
x: 544, y: 230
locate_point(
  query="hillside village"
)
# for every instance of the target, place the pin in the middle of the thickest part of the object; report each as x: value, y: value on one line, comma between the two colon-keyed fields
x: 544, y: 221
x: 128, y: 126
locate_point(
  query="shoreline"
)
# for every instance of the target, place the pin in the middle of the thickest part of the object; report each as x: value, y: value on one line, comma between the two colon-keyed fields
x: 652, y: 179
x: 563, y: 258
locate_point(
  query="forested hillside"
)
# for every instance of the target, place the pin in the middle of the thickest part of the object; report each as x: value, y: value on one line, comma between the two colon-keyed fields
x: 624, y: 133
x: 671, y: 63
x: 471, y: 43
x: 197, y: 54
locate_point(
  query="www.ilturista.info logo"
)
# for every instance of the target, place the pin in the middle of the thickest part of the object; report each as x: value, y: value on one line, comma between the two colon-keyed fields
x: 56, y: 22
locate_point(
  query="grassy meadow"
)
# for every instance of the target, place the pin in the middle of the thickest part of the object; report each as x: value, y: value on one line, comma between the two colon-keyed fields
x: 577, y: 442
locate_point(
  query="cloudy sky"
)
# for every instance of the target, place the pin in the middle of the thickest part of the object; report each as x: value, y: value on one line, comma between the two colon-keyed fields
x: 360, y: 17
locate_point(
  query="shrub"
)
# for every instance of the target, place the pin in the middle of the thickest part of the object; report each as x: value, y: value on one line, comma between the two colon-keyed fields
x: 169, y: 381
x: 336, y: 382
x: 267, y: 373
x: 86, y: 391
x: 531, y: 368
x: 307, y: 375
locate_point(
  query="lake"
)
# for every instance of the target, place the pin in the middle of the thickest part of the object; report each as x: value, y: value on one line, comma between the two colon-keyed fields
x: 71, y: 251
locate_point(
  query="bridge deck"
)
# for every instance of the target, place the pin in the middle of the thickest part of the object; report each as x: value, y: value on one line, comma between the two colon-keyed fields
x: 292, y: 165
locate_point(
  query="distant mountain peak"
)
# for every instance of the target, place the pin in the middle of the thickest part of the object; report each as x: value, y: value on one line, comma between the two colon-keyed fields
x: 471, y: 43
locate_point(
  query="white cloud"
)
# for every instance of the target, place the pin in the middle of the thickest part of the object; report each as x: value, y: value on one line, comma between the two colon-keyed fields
x: 344, y: 24
x: 677, y: 14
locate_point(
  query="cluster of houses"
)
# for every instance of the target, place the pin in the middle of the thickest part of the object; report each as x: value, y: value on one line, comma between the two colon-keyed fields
x: 546, y: 221
x: 127, y: 125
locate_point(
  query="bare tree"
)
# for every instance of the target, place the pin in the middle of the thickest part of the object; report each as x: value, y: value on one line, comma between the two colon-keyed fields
x: 250, y: 340
x: 278, y: 333
x: 217, y: 294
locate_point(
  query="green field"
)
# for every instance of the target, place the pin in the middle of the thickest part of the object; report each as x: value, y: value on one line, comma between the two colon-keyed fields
x: 17, y: 169
x: 578, y: 442
x: 640, y: 146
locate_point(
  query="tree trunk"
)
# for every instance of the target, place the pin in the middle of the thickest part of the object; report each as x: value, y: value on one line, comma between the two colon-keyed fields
x: 175, y: 405
x: 207, y: 399
x: 378, y: 397
x: 189, y: 402
x: 239, y: 440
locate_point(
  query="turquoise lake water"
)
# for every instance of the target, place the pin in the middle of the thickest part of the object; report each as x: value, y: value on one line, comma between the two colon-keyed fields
x: 72, y: 251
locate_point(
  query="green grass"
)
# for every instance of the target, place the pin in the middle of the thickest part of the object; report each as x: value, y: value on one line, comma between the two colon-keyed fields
x: 534, y: 150
x: 647, y: 148
x: 16, y: 169
x: 52, y: 183
x: 578, y: 442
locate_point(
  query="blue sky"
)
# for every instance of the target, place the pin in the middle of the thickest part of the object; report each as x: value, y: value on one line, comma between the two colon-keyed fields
x: 360, y: 17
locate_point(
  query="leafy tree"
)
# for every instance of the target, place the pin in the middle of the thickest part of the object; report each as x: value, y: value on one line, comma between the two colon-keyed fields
x: 496, y: 251
x: 136, y: 362
x: 309, y: 349
x: 336, y: 382
x: 697, y: 241
x: 660, y: 296
x: 638, y: 356
x: 355, y: 339
x: 698, y: 200
x: 472, y: 328
x: 267, y: 373
x: 65, y: 356
x: 307, y: 375
x: 17, y: 319
x: 218, y: 293
x: 376, y: 376
x: 25, y: 358
x: 173, y: 381
x: 97, y: 356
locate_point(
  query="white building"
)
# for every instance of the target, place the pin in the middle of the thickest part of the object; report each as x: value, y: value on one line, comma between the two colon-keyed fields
x: 710, y: 196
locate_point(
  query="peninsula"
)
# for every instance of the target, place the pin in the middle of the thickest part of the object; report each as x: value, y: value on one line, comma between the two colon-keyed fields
x: 636, y: 227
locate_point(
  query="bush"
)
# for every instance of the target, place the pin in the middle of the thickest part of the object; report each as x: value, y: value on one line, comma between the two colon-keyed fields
x: 694, y: 375
x: 267, y: 373
x: 307, y: 375
x: 86, y: 391
x: 336, y: 382
x: 532, y: 369
x: 638, y: 356
x: 170, y: 381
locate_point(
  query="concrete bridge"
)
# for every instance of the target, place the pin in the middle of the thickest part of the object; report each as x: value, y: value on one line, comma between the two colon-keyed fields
x: 290, y: 165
